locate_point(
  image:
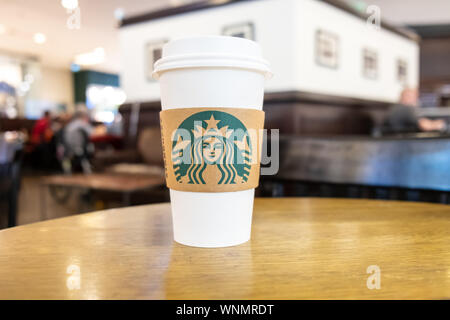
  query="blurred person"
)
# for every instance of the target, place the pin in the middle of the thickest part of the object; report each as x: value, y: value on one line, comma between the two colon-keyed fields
x: 75, y: 139
x: 42, y: 146
x: 80, y: 123
x: 42, y: 132
x: 402, y: 117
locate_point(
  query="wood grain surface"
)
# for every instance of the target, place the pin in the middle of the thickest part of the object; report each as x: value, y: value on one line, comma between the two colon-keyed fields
x: 300, y: 248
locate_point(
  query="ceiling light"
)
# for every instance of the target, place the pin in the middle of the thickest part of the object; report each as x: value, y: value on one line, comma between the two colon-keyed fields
x: 74, y: 67
x: 69, y: 4
x: 96, y: 56
x: 119, y: 13
x: 99, y: 51
x: 24, y: 87
x: 29, y: 78
x: 2, y: 29
x: 39, y: 38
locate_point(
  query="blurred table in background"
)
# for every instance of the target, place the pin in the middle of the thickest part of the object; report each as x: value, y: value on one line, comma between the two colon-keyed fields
x: 125, y: 184
x: 300, y: 249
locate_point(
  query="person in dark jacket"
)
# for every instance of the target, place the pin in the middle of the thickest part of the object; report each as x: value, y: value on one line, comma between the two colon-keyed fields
x: 403, y: 118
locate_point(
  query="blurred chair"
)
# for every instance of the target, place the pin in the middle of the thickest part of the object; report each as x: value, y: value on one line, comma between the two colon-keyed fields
x: 10, y: 176
x: 145, y: 159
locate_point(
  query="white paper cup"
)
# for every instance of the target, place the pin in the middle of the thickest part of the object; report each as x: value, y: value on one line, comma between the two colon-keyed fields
x: 218, y: 72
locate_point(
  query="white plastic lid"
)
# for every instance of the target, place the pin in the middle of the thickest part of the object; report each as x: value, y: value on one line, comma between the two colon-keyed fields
x: 211, y: 51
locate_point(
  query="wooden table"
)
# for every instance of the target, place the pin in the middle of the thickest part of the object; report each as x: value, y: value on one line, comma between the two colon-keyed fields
x: 300, y: 248
x: 126, y: 184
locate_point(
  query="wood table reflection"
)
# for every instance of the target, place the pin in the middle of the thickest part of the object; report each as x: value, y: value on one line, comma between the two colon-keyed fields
x: 300, y: 248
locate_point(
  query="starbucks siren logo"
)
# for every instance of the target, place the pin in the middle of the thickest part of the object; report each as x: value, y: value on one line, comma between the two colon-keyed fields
x: 211, y: 147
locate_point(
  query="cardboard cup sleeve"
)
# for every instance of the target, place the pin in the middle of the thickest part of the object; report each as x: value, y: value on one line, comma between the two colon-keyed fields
x: 212, y: 149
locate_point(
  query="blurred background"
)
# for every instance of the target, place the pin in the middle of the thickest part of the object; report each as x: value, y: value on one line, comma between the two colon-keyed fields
x: 361, y: 98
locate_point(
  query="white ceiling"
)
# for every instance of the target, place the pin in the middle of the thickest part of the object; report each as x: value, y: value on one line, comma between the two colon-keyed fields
x: 23, y: 18
x: 414, y: 12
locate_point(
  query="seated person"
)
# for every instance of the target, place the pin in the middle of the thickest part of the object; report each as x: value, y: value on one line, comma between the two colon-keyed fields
x: 402, y: 117
x: 41, y: 143
x: 41, y: 132
x: 76, y: 136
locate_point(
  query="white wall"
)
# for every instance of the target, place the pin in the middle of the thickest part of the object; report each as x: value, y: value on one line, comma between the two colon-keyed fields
x: 10, y: 72
x: 52, y: 86
x: 285, y: 29
x: 274, y: 31
x: 354, y: 36
x: 56, y: 85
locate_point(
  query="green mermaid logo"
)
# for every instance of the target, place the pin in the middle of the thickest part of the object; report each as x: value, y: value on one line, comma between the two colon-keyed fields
x: 211, y: 147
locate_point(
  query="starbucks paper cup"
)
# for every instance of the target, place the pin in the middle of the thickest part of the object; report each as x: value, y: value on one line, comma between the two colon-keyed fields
x: 212, y: 91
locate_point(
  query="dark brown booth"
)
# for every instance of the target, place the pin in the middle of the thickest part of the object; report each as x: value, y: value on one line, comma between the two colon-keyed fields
x: 410, y: 167
x: 296, y: 113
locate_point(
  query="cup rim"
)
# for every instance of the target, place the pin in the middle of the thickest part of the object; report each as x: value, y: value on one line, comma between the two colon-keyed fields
x: 211, y: 60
